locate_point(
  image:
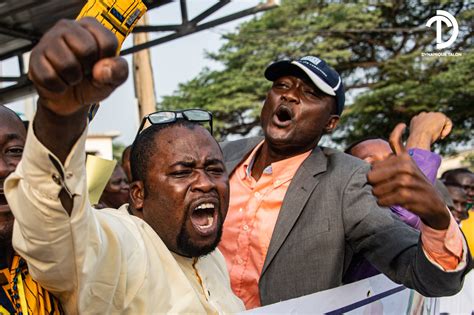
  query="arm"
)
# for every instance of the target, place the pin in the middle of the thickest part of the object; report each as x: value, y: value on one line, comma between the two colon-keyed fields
x: 54, y: 226
x: 72, y: 66
x: 425, y: 129
x: 398, y: 180
x: 390, y: 245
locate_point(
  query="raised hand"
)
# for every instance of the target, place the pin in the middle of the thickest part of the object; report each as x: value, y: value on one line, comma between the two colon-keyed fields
x: 398, y: 181
x: 427, y: 128
x: 74, y: 65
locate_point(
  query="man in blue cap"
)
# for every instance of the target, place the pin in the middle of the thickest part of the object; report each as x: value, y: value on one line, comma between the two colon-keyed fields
x: 299, y: 212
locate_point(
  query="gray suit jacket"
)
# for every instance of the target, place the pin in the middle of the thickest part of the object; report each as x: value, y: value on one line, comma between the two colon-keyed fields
x: 329, y: 214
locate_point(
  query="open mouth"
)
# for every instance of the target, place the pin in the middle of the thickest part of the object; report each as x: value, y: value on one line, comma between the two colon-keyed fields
x: 283, y: 116
x: 204, y: 218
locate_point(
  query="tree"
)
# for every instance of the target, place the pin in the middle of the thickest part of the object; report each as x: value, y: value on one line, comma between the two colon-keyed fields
x: 376, y: 48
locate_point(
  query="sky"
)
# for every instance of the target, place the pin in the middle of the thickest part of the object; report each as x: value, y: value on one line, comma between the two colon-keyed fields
x: 174, y: 62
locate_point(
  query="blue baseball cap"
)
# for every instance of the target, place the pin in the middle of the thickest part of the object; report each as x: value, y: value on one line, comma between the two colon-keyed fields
x: 317, y: 70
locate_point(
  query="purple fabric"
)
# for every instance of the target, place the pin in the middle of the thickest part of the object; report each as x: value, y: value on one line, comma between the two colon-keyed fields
x: 428, y: 162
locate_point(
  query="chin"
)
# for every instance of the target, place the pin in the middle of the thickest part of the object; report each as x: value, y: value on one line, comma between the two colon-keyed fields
x: 198, y: 247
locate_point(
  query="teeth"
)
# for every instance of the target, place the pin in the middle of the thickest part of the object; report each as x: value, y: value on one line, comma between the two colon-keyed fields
x: 205, y: 206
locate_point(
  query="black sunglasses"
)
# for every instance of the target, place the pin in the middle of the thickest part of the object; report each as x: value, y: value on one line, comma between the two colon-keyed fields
x: 170, y: 116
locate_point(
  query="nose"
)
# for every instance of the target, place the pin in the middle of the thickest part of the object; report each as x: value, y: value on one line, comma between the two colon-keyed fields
x: 203, y: 182
x: 291, y: 95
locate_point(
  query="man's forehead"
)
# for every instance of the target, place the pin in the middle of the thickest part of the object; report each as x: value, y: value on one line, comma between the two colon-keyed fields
x: 183, y: 143
x: 466, y: 178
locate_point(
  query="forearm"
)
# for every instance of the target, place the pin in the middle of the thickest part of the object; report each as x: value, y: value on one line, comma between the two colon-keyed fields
x: 58, y: 133
x: 44, y: 232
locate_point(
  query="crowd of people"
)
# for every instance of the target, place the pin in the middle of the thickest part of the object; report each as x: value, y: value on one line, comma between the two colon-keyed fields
x: 190, y: 225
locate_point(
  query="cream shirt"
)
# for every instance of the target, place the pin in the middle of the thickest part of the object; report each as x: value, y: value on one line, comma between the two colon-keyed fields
x: 107, y: 261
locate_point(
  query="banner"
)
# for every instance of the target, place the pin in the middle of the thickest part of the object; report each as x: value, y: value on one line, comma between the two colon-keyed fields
x: 375, y: 295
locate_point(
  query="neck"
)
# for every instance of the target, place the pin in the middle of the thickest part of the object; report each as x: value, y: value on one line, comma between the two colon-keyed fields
x: 268, y: 155
x: 6, y: 255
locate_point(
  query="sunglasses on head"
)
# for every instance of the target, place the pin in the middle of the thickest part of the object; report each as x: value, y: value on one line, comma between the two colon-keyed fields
x: 170, y: 116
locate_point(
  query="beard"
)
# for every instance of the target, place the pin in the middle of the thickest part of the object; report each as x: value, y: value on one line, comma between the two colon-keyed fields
x: 6, y: 234
x: 190, y: 249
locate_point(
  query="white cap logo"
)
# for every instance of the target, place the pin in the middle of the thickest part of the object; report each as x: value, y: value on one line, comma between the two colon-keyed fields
x: 446, y: 18
x: 312, y: 59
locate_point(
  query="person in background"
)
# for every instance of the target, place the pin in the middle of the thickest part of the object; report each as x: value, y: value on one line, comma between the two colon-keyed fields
x: 462, y: 177
x: 116, y: 192
x: 299, y: 212
x: 459, y: 197
x: 108, y: 261
x: 19, y: 293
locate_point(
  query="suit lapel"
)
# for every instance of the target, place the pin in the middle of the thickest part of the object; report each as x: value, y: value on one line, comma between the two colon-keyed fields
x: 299, y: 191
x: 238, y: 152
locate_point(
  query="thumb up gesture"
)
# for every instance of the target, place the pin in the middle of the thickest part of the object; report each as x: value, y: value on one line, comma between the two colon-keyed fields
x: 398, y: 181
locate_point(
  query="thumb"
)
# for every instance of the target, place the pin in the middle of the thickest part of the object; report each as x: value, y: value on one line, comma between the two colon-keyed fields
x: 448, y: 125
x: 110, y: 71
x: 395, y: 139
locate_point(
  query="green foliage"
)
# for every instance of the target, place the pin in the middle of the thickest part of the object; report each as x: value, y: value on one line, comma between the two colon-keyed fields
x: 117, y: 149
x: 376, y: 48
x: 469, y: 161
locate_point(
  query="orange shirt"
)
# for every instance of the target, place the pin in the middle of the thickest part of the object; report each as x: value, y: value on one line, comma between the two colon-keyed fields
x: 248, y: 227
x: 253, y: 211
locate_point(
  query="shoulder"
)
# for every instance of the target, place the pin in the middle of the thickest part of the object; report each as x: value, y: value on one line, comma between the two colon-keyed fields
x: 234, y: 150
x: 343, y: 165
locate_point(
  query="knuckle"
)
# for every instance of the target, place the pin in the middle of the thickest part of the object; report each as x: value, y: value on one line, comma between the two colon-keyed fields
x: 87, y: 51
x: 63, y: 23
x: 403, y: 193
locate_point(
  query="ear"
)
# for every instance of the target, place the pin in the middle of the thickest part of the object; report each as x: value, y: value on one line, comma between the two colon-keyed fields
x: 331, y: 124
x: 137, y: 197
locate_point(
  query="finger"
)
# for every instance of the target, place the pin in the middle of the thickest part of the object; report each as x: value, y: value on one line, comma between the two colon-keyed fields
x: 64, y: 62
x: 110, y: 72
x: 84, y: 46
x: 448, y: 126
x: 390, y: 168
x: 395, y: 139
x: 106, y: 41
x: 43, y: 74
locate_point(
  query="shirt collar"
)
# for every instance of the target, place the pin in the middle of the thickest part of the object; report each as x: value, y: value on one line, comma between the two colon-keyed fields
x: 282, y: 171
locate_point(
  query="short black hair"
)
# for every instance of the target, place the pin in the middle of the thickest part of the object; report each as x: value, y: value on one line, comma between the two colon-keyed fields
x: 353, y: 144
x: 449, y: 176
x: 17, y: 117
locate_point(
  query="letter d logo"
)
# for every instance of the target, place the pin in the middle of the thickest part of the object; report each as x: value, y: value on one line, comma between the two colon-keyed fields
x: 446, y: 18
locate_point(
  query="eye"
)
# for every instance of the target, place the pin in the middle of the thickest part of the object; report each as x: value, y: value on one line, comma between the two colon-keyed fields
x: 181, y: 173
x: 216, y: 170
x: 15, y: 151
x: 281, y: 85
x: 311, y: 93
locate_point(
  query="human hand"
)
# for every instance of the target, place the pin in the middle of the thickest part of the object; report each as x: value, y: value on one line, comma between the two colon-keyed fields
x: 428, y: 127
x: 398, y: 181
x: 74, y: 65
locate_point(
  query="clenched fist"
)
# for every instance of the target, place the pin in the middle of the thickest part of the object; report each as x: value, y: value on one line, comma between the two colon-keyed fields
x: 75, y: 65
